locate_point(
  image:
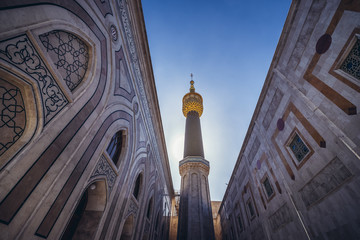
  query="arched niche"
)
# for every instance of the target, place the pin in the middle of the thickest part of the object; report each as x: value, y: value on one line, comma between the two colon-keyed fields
x: 87, y: 215
x: 128, y: 228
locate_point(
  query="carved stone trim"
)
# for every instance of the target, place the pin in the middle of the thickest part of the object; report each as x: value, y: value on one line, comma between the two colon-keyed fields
x: 186, y: 164
x: 138, y: 77
x: 132, y: 208
x: 103, y: 168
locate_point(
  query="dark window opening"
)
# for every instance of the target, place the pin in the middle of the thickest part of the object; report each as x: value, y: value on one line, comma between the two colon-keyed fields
x: 240, y: 223
x: 115, y: 145
x: 269, y: 190
x: 251, y: 209
x: 74, y: 222
x: 137, y: 186
x: 149, y: 209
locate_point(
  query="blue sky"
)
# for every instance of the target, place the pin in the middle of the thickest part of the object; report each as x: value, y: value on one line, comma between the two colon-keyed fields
x: 228, y: 45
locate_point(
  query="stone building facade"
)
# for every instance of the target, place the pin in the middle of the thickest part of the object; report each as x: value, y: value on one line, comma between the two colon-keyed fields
x: 82, y: 148
x: 297, y: 174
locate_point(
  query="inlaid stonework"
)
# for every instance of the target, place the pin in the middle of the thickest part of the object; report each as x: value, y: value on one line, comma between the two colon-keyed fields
x: 12, y: 115
x: 70, y: 55
x: 21, y: 54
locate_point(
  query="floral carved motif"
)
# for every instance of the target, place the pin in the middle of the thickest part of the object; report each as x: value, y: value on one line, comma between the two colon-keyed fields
x: 103, y: 168
x: 20, y: 53
x: 132, y: 209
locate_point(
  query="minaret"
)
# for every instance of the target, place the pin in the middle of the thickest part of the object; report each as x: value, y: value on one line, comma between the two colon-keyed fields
x: 195, y: 215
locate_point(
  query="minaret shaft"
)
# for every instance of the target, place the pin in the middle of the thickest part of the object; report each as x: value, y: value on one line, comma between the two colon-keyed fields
x: 193, y: 145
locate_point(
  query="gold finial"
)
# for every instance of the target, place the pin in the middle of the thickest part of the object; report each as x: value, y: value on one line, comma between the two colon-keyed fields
x: 192, y: 101
x: 192, y: 88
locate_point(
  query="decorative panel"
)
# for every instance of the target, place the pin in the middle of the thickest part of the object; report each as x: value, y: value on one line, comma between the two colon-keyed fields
x: 123, y: 83
x: 272, y: 108
x: 141, y: 136
x: 254, y: 149
x: 351, y: 64
x: 327, y: 180
x: 133, y: 208
x: 12, y: 115
x: 103, y: 168
x: 280, y: 218
x: 20, y: 53
x: 69, y: 54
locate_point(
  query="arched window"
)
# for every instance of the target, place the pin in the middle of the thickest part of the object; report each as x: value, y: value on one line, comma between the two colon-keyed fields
x: 137, y: 186
x: 115, y: 145
x: 149, y: 208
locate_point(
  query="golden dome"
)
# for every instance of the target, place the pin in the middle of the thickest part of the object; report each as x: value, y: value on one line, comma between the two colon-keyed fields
x: 192, y: 101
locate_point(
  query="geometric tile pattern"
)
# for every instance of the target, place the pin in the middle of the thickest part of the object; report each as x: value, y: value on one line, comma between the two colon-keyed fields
x: 12, y: 115
x: 69, y: 54
x: 351, y: 64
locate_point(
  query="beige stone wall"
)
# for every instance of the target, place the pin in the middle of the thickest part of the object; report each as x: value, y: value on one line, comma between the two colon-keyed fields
x: 272, y: 194
x: 215, y: 206
x: 174, y: 217
x: 80, y: 72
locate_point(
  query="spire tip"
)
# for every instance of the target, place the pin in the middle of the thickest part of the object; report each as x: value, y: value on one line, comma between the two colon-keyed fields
x: 192, y: 88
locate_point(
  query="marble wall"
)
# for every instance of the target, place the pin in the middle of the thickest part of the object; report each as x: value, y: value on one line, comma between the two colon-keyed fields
x: 298, y: 168
x: 72, y: 75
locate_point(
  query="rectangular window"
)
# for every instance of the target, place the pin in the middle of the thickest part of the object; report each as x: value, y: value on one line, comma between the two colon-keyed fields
x: 351, y: 64
x: 251, y: 209
x: 268, y: 188
x: 298, y: 148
